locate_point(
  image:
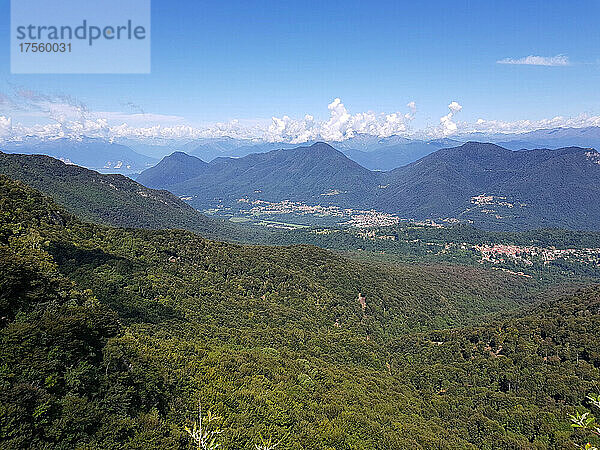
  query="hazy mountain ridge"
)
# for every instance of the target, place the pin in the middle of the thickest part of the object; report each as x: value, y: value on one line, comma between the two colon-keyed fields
x: 96, y: 154
x: 132, y: 155
x: 379, y: 153
x: 555, y: 138
x: 371, y: 152
x: 390, y: 156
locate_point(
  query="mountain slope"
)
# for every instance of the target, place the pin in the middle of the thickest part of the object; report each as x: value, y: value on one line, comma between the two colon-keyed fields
x: 302, y: 174
x: 444, y: 181
x: 173, y: 169
x: 500, y: 189
x: 112, y: 199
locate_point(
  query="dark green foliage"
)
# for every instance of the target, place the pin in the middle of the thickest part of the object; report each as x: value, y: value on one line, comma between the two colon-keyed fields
x: 56, y: 383
x: 111, y: 336
x: 410, y: 243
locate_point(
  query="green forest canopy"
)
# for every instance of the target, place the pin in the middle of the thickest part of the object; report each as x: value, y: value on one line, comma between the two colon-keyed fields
x: 109, y: 337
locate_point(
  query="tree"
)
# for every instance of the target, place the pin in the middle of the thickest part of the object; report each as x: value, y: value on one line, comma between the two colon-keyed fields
x: 205, y: 439
x: 586, y: 421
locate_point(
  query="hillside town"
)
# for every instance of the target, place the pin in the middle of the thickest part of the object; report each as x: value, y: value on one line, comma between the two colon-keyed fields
x: 500, y: 253
x: 342, y: 216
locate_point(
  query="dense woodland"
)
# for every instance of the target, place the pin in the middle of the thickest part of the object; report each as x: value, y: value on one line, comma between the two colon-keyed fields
x: 109, y: 338
x: 115, y: 199
x: 411, y: 243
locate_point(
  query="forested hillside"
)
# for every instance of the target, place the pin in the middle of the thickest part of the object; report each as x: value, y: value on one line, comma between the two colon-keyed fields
x: 115, y: 199
x: 110, y: 337
x: 300, y: 174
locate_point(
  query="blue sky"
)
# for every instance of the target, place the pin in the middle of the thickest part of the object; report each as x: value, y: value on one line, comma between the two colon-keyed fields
x: 218, y: 61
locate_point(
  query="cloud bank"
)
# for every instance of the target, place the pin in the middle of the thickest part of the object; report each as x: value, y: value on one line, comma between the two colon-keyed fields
x: 69, y: 118
x: 64, y: 117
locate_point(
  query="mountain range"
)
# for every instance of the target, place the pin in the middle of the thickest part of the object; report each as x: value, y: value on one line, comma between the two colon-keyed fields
x: 588, y: 137
x: 130, y: 156
x: 111, y: 337
x: 484, y: 184
x: 299, y: 174
x: 373, y: 152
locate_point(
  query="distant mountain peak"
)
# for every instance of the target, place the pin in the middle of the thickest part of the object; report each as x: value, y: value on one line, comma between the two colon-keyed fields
x: 481, y: 149
x: 172, y: 169
x: 182, y: 156
x: 323, y: 147
x: 321, y: 153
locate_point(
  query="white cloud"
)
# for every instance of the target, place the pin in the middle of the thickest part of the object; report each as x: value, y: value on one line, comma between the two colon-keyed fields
x: 447, y: 125
x: 5, y: 126
x: 68, y: 117
x: 339, y: 126
x: 523, y: 126
x: 412, y: 106
x: 558, y: 60
x: 454, y: 107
